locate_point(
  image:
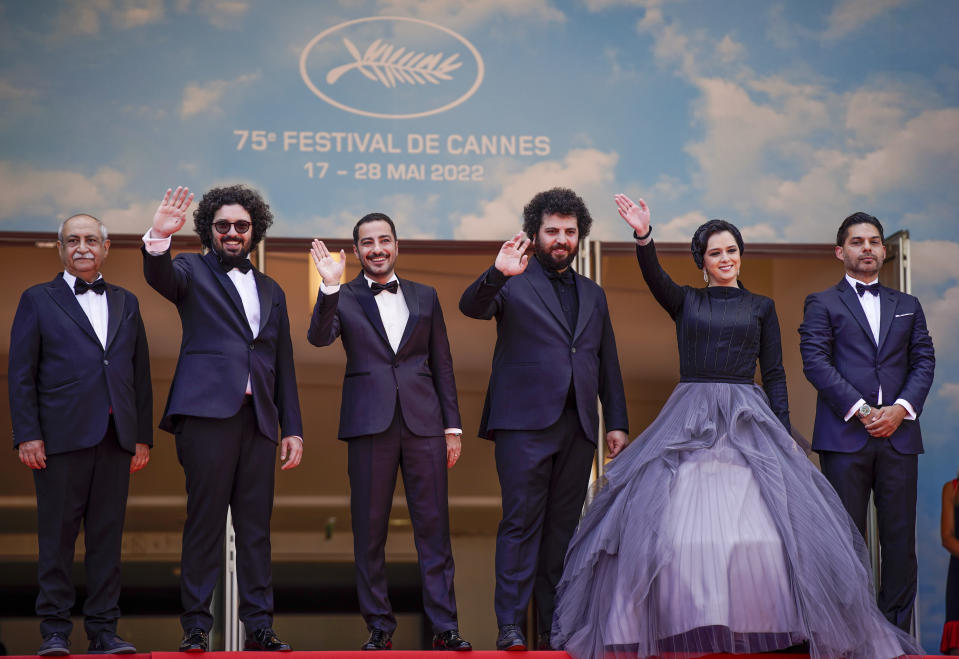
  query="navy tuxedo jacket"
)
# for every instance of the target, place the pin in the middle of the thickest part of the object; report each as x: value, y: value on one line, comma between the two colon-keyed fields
x: 419, y: 373
x: 537, y: 354
x: 218, y: 350
x: 843, y: 362
x: 62, y: 381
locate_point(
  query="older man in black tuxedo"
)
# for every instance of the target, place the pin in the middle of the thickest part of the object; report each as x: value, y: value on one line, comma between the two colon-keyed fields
x: 82, y: 406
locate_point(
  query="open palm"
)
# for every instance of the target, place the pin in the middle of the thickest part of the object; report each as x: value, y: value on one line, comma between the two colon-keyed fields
x: 171, y: 213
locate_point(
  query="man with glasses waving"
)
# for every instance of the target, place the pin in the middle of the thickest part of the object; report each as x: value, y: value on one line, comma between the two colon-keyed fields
x: 234, y: 385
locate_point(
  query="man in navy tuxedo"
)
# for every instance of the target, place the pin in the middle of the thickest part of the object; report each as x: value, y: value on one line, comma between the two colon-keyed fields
x: 234, y: 384
x: 82, y: 410
x: 398, y: 411
x: 866, y: 350
x: 555, y: 353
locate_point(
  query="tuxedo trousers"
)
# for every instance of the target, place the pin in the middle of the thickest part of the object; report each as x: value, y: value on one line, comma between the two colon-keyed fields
x: 87, y: 486
x: 228, y: 465
x: 373, y: 462
x: 543, y: 477
x: 892, y: 479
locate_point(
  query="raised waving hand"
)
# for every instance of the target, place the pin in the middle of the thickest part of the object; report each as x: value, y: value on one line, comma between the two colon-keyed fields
x: 512, y: 258
x: 329, y: 268
x: 636, y: 214
x: 171, y: 213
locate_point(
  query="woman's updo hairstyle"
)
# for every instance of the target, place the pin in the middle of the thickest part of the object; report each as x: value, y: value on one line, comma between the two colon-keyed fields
x: 701, y: 238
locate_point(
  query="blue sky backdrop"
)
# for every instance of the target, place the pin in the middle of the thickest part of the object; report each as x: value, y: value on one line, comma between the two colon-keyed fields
x: 783, y: 117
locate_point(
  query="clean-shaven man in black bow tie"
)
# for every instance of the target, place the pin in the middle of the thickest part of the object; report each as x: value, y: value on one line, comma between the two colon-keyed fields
x: 234, y: 385
x: 867, y: 351
x: 82, y: 410
x: 399, y: 411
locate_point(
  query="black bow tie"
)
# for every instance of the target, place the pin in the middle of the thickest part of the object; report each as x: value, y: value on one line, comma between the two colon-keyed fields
x: 566, y: 276
x: 80, y: 287
x: 871, y: 288
x: 240, y: 262
x: 392, y: 287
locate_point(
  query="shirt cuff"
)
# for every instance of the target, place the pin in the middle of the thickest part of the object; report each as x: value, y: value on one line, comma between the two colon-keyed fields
x: 910, y: 411
x: 852, y: 410
x: 329, y: 290
x: 156, y: 246
x: 453, y: 431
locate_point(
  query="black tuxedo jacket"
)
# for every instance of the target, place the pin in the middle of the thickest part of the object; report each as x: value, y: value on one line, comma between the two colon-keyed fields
x: 419, y: 374
x: 538, y: 355
x: 843, y: 362
x: 218, y: 350
x: 63, y: 382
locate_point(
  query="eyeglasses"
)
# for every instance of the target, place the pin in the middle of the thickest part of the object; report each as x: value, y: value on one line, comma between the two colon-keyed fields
x: 241, y: 226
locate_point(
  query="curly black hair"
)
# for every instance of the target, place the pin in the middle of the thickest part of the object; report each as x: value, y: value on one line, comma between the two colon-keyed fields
x: 857, y: 218
x: 701, y: 238
x: 216, y: 198
x: 558, y: 201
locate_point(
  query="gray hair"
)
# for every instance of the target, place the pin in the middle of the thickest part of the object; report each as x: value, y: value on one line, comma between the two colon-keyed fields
x: 103, y: 228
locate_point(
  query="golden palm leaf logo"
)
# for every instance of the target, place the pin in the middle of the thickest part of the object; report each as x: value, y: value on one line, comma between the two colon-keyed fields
x: 388, y: 65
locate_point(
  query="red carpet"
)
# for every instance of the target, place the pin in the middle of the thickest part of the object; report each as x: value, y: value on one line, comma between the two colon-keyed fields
x: 406, y: 654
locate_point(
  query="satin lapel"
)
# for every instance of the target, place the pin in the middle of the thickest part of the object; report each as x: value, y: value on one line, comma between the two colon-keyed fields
x: 887, y: 311
x: 849, y: 297
x: 368, y: 303
x: 410, y: 295
x: 264, y: 290
x: 66, y: 300
x: 228, y: 286
x: 546, y: 292
x: 587, y: 303
x: 116, y: 300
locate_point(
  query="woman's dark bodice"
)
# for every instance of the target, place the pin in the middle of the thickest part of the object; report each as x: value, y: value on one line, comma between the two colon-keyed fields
x: 722, y: 332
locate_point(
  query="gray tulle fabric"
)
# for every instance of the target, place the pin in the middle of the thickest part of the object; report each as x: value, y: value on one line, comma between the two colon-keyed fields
x: 713, y: 532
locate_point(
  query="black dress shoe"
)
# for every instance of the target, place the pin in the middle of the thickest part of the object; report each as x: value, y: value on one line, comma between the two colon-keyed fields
x: 265, y: 639
x: 378, y: 640
x: 451, y: 640
x: 56, y: 644
x: 543, y: 643
x: 511, y: 639
x: 109, y: 643
x: 195, y: 640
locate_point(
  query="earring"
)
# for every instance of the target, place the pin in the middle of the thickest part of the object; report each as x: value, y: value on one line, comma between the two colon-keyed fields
x: 705, y: 277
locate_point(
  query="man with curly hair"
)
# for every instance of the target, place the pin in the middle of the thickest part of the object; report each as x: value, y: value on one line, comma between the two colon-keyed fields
x: 234, y: 385
x: 555, y: 354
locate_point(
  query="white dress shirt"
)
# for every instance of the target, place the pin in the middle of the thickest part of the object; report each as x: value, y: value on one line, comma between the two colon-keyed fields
x: 393, y: 312
x: 870, y: 306
x: 94, y: 306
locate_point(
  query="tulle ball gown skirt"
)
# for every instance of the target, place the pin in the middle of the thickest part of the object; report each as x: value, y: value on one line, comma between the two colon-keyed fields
x: 713, y: 532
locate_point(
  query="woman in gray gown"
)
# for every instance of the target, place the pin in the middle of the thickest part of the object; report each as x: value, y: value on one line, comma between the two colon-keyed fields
x: 712, y: 531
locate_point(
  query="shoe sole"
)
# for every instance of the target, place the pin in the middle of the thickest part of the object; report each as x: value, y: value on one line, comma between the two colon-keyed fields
x: 54, y: 653
x: 515, y: 647
x: 192, y: 650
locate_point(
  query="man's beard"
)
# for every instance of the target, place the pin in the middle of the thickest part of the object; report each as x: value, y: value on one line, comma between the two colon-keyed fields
x: 546, y: 259
x: 229, y: 259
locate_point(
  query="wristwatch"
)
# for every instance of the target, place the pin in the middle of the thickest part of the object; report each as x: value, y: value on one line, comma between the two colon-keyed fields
x: 864, y: 410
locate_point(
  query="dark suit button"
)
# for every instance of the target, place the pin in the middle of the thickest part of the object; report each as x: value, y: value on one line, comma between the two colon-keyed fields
x: 106, y: 362
x: 396, y: 365
x: 573, y: 350
x: 251, y: 347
